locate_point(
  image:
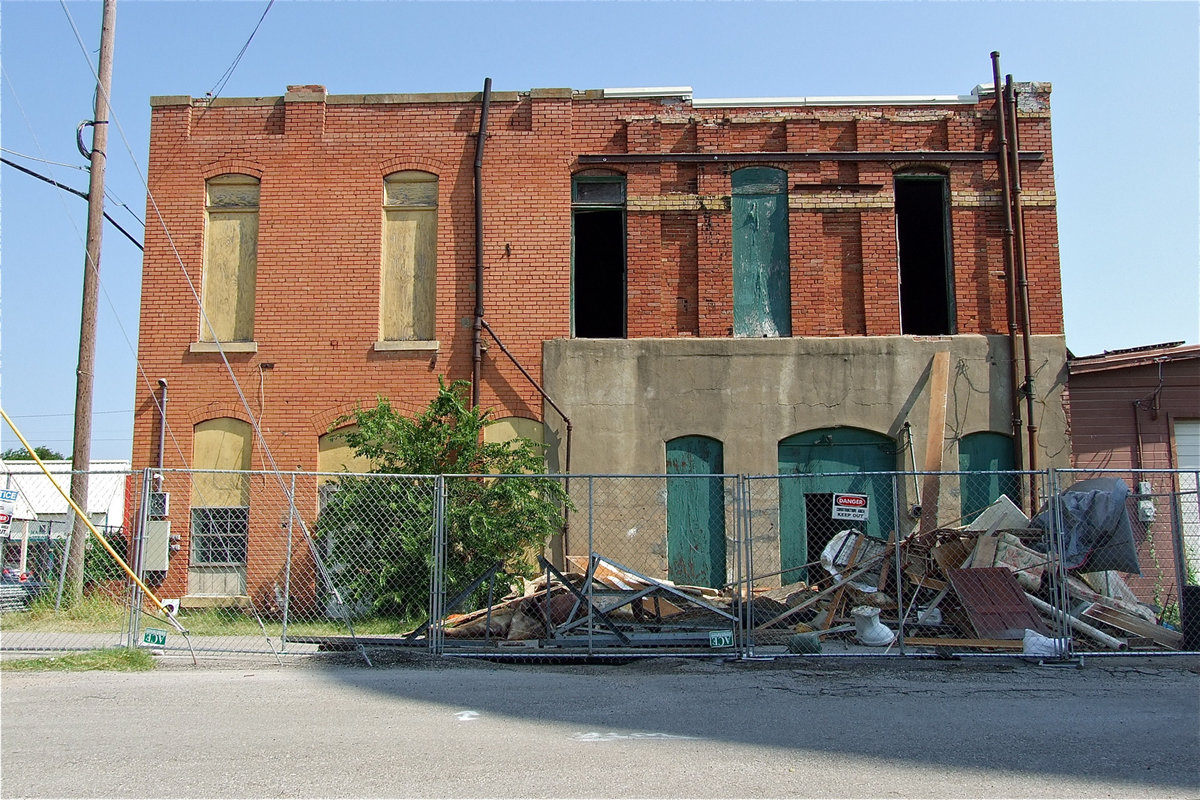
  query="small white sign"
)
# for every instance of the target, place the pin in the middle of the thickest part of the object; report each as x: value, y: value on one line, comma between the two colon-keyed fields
x: 8, y: 505
x: 851, y: 506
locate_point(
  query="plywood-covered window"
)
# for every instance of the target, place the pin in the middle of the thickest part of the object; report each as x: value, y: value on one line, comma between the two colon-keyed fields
x: 408, y: 277
x: 230, y: 259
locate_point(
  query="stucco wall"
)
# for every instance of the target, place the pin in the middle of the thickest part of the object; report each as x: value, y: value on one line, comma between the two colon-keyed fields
x: 627, y: 398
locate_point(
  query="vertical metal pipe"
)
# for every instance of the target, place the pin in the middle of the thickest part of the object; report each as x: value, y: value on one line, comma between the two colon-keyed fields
x: 287, y: 567
x: 477, y: 333
x: 1018, y: 214
x: 1010, y: 283
x: 162, y: 423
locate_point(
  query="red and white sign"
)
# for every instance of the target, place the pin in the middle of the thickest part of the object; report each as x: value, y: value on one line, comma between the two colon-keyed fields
x: 851, y: 506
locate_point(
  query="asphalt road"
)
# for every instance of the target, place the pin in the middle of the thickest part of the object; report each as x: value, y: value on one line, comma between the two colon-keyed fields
x: 664, y: 728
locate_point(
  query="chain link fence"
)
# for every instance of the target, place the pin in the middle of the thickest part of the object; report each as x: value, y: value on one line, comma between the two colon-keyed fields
x: 1048, y: 564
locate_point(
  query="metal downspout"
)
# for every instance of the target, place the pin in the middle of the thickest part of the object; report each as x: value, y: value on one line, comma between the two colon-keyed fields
x: 477, y: 330
x: 1023, y: 287
x: 162, y: 426
x: 1010, y: 283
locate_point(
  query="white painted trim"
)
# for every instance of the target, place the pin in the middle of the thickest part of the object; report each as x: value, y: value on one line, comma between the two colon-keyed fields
x: 393, y: 345
x: 880, y: 100
x: 650, y: 91
x: 228, y: 347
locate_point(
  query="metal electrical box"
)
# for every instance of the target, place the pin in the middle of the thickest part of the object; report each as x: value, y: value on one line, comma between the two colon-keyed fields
x: 156, y: 545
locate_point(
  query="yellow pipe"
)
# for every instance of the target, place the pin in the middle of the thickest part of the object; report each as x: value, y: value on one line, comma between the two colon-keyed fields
x: 99, y: 537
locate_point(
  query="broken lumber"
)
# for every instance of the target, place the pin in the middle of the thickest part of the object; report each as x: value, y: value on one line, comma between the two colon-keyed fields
x: 1078, y: 625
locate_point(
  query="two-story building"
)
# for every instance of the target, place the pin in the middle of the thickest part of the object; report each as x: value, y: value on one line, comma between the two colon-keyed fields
x: 709, y: 286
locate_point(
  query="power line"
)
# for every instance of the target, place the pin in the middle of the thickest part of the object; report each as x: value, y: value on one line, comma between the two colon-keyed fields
x: 75, y: 192
x: 224, y: 79
x: 43, y: 160
x: 67, y: 414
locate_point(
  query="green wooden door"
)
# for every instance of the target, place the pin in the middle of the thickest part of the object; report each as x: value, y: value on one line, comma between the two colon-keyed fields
x: 695, y: 512
x: 989, y: 457
x: 806, y: 490
x: 761, y: 272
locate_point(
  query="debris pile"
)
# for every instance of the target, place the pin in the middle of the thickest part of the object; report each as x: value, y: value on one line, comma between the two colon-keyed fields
x: 995, y: 584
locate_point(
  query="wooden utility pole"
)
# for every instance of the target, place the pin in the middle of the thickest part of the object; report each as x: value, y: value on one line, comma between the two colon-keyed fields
x: 81, y: 450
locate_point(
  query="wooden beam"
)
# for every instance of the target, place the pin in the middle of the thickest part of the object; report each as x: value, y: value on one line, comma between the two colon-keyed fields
x: 935, y: 436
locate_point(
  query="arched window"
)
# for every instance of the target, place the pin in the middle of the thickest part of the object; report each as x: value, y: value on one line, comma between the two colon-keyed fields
x: 696, y: 512
x: 990, y: 459
x: 762, y: 300
x: 408, y: 275
x: 230, y: 258
x: 813, y: 467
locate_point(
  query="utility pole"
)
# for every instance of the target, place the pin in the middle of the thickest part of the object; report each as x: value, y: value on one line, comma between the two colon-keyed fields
x: 81, y: 451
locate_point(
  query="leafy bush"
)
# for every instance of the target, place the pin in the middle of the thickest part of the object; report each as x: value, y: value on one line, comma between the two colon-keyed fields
x: 377, y: 533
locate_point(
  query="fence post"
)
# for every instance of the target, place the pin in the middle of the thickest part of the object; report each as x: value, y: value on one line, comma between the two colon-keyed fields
x: 437, y: 594
x: 742, y: 592
x: 1059, y: 596
x: 898, y: 567
x: 287, y: 565
x: 138, y: 546
x: 591, y: 548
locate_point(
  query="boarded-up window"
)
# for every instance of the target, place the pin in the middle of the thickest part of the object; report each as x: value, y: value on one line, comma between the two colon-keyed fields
x: 334, y: 454
x: 408, y: 277
x: 230, y: 259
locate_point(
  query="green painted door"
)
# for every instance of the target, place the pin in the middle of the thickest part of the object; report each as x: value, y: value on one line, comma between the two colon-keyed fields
x: 806, y: 488
x: 695, y: 512
x: 989, y: 458
x: 761, y: 271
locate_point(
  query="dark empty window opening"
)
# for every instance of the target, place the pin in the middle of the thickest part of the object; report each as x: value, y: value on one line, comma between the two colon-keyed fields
x: 598, y: 258
x: 926, y: 272
x: 820, y: 526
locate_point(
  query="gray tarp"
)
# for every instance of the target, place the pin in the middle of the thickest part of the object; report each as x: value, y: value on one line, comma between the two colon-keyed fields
x: 1097, y: 534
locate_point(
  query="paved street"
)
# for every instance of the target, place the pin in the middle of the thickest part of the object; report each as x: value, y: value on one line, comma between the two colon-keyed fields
x: 669, y: 728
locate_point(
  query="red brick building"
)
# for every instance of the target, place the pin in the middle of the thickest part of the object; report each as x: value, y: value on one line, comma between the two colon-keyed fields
x: 719, y: 279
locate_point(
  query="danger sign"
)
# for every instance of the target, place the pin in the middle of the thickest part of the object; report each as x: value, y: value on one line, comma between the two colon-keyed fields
x: 851, y: 506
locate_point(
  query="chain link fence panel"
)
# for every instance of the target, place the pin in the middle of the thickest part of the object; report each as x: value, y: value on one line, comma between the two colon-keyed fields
x: 41, y: 607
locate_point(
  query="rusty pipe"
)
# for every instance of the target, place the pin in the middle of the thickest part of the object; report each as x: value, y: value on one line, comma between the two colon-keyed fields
x: 1018, y: 214
x: 477, y: 328
x: 1010, y: 284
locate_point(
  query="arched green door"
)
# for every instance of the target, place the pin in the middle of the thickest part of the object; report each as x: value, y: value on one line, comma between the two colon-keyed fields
x: 695, y: 512
x: 762, y: 304
x: 990, y: 457
x: 806, y: 489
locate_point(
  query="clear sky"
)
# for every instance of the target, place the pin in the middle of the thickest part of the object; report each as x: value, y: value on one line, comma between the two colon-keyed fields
x: 1125, y: 117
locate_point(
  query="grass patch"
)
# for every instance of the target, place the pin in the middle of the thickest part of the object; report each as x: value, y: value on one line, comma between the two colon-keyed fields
x: 102, y: 613
x: 96, y: 613
x: 235, y: 622
x: 113, y: 659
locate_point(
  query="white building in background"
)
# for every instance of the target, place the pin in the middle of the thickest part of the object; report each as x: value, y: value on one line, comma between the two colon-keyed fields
x: 41, y: 514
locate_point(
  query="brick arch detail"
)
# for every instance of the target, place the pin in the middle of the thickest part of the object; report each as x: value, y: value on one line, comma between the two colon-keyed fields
x: 322, y: 420
x: 217, y: 411
x: 402, y: 163
x: 232, y: 166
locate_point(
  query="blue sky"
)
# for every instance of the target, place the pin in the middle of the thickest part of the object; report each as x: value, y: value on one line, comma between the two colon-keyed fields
x: 1125, y: 117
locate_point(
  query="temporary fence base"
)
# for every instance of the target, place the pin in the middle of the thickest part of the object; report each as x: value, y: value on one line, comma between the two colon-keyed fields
x: 690, y: 566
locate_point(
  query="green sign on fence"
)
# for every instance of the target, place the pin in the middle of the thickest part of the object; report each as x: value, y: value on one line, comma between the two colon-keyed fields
x: 720, y: 638
x: 154, y: 637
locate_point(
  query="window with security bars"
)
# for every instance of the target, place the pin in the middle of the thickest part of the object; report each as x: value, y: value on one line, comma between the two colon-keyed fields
x: 219, y: 536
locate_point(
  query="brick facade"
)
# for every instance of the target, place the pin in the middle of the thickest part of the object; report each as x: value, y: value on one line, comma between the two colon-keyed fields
x: 321, y: 160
